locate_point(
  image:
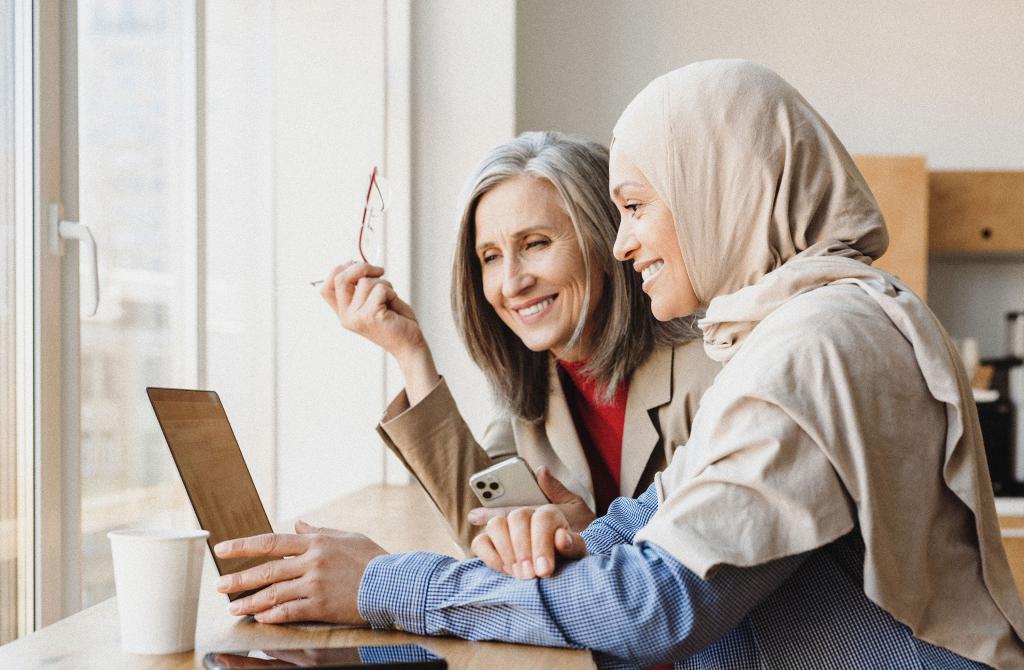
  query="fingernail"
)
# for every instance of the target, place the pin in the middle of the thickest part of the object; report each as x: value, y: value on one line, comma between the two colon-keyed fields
x: 234, y: 609
x: 222, y: 583
x: 473, y: 517
x: 528, y: 569
x: 506, y: 568
x: 571, y: 540
x: 515, y: 570
x: 542, y: 565
x: 219, y: 547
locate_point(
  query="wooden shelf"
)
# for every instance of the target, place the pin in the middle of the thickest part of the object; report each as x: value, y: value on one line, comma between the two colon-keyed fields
x: 976, y: 212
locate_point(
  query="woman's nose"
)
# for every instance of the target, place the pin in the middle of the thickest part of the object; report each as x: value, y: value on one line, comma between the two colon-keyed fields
x: 516, y: 278
x: 625, y: 241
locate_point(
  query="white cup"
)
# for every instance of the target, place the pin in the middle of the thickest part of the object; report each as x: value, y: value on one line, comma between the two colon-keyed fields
x: 157, y: 575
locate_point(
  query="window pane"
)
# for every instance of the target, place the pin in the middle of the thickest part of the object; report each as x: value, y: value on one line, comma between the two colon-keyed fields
x: 137, y: 192
x: 8, y: 342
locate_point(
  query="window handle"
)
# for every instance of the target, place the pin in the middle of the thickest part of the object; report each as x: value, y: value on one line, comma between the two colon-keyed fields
x: 72, y: 230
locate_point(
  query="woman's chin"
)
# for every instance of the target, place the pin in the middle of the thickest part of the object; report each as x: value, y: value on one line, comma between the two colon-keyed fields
x: 664, y: 310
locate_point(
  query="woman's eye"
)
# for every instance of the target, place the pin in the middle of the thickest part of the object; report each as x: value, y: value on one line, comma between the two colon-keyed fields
x: 633, y: 207
x: 489, y: 258
x: 536, y: 244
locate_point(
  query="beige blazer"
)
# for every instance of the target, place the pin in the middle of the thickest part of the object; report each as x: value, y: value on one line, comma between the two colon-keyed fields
x: 437, y: 447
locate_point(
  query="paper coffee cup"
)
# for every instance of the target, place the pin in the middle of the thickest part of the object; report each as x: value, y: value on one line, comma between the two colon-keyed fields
x: 157, y: 574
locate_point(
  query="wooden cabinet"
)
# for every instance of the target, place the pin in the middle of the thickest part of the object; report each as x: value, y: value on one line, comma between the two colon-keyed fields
x: 976, y: 212
x: 900, y: 185
x: 942, y: 211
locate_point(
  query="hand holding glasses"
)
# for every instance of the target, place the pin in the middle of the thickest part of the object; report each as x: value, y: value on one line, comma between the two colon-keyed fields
x: 370, y: 241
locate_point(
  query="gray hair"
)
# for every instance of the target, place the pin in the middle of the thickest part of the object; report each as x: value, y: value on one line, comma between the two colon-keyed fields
x: 578, y: 169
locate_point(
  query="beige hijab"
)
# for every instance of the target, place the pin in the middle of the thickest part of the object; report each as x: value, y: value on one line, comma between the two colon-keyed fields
x: 829, y: 412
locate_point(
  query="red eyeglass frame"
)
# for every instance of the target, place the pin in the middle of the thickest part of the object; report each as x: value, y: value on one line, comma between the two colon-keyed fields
x: 366, y: 209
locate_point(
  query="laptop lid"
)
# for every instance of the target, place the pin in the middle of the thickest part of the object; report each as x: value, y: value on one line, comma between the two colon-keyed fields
x: 212, y: 469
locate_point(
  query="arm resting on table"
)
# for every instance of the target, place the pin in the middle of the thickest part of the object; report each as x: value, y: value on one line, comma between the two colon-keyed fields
x: 636, y: 604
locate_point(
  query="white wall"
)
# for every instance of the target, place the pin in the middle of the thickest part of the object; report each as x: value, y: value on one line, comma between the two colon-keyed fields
x: 295, y: 120
x: 942, y: 78
x: 463, y: 104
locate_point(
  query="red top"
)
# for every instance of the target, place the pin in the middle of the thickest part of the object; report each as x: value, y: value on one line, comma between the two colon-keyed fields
x: 600, y: 428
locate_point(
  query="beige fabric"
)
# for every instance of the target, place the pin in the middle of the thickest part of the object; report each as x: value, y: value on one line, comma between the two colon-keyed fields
x: 842, y: 403
x: 436, y: 445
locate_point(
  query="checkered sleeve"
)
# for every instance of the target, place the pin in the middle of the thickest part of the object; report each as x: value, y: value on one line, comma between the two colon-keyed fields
x: 635, y: 605
x: 624, y: 518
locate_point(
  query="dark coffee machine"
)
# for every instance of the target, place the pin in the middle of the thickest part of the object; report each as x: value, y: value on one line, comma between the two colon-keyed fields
x: 999, y: 423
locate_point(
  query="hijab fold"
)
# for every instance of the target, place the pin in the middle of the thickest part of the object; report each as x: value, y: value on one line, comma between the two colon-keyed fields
x: 842, y: 403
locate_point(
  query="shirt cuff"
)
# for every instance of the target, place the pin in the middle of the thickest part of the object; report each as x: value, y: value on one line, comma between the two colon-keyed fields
x: 393, y: 590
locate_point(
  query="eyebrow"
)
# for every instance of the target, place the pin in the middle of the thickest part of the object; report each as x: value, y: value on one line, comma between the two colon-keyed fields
x: 618, y: 187
x: 522, y: 232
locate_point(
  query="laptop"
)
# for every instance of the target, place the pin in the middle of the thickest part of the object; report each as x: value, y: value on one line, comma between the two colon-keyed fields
x: 212, y: 469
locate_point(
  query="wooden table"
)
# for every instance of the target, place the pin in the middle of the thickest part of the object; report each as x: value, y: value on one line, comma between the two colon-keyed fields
x: 400, y: 518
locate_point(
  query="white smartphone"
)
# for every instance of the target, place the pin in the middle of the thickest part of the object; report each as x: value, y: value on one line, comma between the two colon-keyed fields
x: 509, y: 483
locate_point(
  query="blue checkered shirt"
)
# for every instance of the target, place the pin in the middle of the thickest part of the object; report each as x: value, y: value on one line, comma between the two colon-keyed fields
x: 634, y: 605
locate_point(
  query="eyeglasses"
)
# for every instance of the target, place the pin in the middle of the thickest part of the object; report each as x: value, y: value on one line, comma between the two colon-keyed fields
x: 370, y: 240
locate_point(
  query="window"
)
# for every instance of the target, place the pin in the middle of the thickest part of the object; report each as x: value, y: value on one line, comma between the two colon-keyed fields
x: 137, y: 184
x: 16, y: 341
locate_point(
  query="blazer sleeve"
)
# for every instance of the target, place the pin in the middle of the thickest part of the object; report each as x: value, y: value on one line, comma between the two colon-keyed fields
x: 434, y: 443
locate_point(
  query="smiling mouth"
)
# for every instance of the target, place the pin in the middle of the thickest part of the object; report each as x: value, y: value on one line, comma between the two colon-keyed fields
x: 651, y: 270
x: 536, y: 308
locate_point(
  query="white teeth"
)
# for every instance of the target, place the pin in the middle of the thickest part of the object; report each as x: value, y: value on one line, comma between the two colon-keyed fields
x: 652, y: 270
x: 535, y: 309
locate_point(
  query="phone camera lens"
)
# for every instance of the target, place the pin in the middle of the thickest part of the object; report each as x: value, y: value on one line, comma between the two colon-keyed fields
x: 494, y: 486
x: 481, y: 485
x: 487, y: 495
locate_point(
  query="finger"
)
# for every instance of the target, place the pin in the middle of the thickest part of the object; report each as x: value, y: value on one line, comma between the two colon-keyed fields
x: 361, y: 294
x: 327, y: 290
x: 345, y: 281
x: 519, y: 521
x: 570, y: 544
x: 479, y: 516
x: 259, y: 576
x: 270, y: 544
x: 483, y: 549
x: 497, y: 530
x: 555, y: 490
x: 271, y: 596
x: 542, y: 538
x: 301, y: 609
x: 377, y: 300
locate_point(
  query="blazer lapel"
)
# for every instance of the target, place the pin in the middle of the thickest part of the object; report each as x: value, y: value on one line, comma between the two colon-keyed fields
x: 565, y: 441
x: 649, y: 388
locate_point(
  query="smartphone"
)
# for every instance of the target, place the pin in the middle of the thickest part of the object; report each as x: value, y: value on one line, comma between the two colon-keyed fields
x: 509, y: 483
x: 405, y: 656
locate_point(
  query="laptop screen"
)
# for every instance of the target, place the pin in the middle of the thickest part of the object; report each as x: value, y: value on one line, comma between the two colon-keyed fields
x: 211, y: 466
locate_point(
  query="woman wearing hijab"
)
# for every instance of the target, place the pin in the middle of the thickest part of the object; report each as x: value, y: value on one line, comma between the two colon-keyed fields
x: 592, y: 389
x: 831, y: 508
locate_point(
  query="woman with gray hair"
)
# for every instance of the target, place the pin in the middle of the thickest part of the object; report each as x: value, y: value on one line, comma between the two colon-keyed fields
x: 595, y: 393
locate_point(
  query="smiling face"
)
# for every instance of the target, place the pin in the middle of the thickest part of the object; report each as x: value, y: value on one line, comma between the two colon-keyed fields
x: 647, y: 237
x: 533, y: 271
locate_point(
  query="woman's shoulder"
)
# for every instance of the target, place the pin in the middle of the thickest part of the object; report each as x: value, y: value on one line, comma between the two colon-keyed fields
x: 837, y: 328
x: 692, y: 370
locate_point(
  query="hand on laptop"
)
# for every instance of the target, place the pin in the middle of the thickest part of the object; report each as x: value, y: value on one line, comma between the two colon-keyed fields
x: 316, y: 579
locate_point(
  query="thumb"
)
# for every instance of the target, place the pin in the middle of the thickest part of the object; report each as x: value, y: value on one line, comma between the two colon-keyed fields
x: 570, y: 544
x: 554, y: 489
x: 303, y: 528
x: 400, y: 306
